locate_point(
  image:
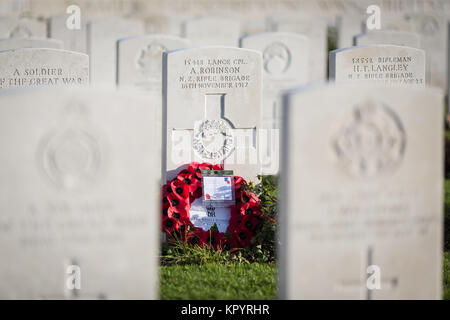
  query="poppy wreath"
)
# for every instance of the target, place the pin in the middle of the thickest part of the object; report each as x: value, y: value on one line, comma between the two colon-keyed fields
x: 185, y: 188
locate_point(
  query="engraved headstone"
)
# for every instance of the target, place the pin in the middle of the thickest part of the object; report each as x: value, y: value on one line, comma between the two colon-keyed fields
x: 29, y: 42
x: 399, y: 38
x: 11, y: 27
x: 285, y: 65
x: 212, y: 31
x: 66, y: 219
x: 384, y: 64
x: 361, y: 197
x: 139, y: 60
x: 316, y: 29
x: 433, y: 32
x: 74, y: 39
x: 31, y: 67
x: 102, y: 36
x: 211, y: 109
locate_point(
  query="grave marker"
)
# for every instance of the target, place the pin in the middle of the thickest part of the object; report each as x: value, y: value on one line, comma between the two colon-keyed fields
x: 285, y: 65
x: 65, y: 165
x: 211, y: 109
x: 212, y: 31
x: 29, y: 42
x: 361, y: 191
x: 399, y: 38
x: 102, y: 36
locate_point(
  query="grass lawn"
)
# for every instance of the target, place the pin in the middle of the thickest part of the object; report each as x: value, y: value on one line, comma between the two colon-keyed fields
x: 219, y: 281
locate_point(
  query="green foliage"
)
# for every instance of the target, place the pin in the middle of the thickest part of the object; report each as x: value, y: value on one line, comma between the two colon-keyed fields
x: 218, y: 281
x: 267, y: 192
x: 446, y: 276
x: 447, y: 215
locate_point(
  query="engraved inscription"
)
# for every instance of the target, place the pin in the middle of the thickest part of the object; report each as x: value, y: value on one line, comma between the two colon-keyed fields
x: 369, y: 141
x: 42, y: 76
x: 214, y: 74
x: 385, y: 69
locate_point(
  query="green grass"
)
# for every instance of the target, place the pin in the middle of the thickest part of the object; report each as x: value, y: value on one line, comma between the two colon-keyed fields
x: 219, y: 281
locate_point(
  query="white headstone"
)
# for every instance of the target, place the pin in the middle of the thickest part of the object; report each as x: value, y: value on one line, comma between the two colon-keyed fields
x: 433, y: 32
x: 362, y: 179
x: 212, y: 31
x: 11, y: 27
x: 139, y: 60
x: 211, y: 109
x: 316, y: 29
x: 102, y: 36
x: 285, y: 65
x: 384, y: 64
x: 29, y: 42
x: 399, y: 38
x: 30, y: 67
x: 347, y: 27
x: 74, y: 39
x: 66, y: 219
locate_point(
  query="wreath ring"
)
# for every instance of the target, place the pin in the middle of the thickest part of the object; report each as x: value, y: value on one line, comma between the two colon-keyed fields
x: 177, y: 197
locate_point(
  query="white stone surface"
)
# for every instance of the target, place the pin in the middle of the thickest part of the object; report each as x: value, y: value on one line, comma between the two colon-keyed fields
x: 212, y: 103
x: 285, y: 65
x: 383, y: 64
x: 30, y: 67
x: 139, y: 60
x: 11, y: 27
x: 103, y: 34
x: 74, y: 39
x: 399, y: 38
x: 315, y: 28
x: 67, y: 158
x: 212, y: 30
x: 29, y: 42
x: 362, y: 185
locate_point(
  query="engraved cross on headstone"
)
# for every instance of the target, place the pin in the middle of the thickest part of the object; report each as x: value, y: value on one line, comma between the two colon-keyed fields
x: 361, y: 284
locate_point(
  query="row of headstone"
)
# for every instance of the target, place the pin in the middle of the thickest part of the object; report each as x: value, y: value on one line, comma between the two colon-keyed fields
x: 421, y: 30
x: 349, y: 204
x: 348, y: 195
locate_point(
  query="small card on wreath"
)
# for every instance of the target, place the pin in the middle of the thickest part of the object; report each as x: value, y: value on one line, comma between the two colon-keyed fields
x: 218, y: 188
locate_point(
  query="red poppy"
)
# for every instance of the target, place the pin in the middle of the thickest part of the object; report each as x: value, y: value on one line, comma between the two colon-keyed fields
x: 243, y: 237
x: 250, y: 208
x: 180, y: 189
x: 177, y: 203
x: 238, y: 182
x: 250, y: 223
x: 190, y: 180
x: 169, y: 225
x: 197, y: 237
x: 177, y: 214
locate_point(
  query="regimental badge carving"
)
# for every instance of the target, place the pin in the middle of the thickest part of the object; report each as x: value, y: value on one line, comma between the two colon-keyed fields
x: 20, y: 31
x: 277, y: 58
x: 369, y: 141
x: 213, y: 139
x: 429, y: 26
x: 210, y: 211
x: 148, y: 61
x: 71, y: 158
